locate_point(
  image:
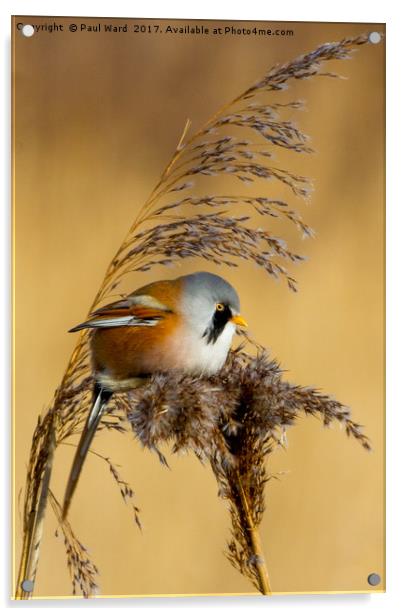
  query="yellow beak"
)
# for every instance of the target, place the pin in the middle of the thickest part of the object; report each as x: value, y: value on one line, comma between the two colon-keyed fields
x: 238, y: 320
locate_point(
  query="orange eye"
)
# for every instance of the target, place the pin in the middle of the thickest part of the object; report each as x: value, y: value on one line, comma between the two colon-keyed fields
x: 220, y: 307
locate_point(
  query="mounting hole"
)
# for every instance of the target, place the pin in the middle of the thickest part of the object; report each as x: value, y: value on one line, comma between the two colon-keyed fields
x: 27, y: 585
x: 374, y: 37
x: 28, y: 30
x: 374, y: 579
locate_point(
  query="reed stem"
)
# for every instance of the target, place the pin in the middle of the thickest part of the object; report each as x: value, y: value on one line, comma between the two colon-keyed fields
x: 255, y: 541
x: 33, y: 533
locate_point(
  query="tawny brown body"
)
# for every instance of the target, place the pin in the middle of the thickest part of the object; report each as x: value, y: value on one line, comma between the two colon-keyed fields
x: 127, y: 352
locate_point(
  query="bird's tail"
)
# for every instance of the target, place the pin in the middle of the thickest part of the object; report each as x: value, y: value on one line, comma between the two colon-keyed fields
x: 100, y: 399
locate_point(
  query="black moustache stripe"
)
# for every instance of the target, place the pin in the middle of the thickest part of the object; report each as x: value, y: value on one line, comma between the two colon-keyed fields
x: 220, y: 318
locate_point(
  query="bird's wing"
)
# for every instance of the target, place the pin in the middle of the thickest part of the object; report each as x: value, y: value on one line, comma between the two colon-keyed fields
x: 132, y: 311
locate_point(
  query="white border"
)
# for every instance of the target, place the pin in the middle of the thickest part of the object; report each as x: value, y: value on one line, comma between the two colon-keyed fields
x: 341, y: 10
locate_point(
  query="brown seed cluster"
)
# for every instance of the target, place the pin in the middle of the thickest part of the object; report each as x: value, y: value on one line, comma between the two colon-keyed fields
x: 233, y: 421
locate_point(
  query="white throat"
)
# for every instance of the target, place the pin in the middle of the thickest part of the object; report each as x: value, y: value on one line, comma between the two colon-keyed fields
x: 197, y: 356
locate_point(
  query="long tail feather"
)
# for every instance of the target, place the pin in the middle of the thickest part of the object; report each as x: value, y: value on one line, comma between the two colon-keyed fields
x: 88, y: 433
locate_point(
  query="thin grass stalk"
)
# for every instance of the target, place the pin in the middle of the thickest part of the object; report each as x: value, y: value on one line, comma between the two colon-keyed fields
x: 34, y: 530
x: 82, y: 570
x: 255, y: 542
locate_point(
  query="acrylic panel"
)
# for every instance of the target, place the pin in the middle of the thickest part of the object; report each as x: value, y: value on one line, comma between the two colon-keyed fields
x: 157, y: 149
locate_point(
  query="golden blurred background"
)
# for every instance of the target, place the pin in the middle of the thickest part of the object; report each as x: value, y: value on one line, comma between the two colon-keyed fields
x: 97, y: 116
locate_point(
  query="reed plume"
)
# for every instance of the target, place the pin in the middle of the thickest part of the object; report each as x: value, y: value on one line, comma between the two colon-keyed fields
x: 232, y: 420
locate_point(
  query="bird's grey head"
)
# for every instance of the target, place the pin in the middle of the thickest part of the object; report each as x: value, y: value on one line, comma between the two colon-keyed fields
x: 209, y: 303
